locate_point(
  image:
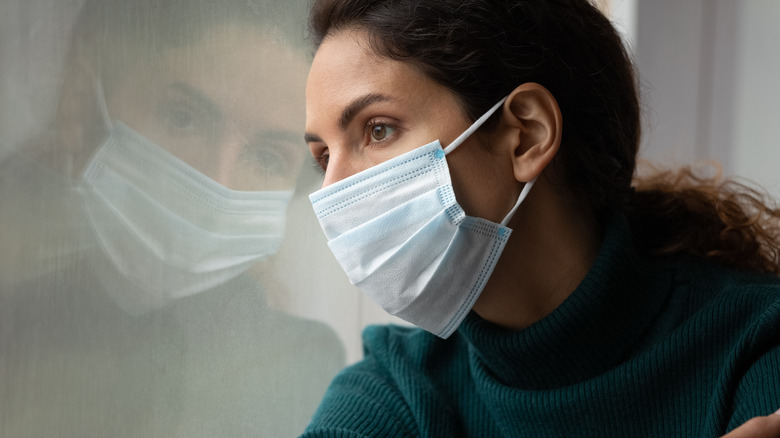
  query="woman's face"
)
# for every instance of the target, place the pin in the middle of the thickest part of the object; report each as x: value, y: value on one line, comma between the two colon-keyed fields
x: 224, y: 105
x: 363, y: 109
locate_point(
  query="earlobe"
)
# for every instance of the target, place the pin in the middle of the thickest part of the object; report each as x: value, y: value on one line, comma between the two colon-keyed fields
x: 532, y: 125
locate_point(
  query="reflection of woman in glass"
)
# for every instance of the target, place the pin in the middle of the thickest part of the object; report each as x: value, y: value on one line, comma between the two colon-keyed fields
x: 602, y: 305
x: 153, y: 105
x: 166, y: 175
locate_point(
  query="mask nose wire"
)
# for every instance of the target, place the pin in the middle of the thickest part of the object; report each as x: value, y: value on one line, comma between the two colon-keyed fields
x: 474, y: 126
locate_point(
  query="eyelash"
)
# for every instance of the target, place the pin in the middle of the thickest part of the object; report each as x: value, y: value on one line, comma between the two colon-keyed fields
x: 320, y: 161
x: 315, y: 164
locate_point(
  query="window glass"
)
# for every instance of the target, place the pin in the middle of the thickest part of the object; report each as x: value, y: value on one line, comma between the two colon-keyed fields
x: 159, y: 267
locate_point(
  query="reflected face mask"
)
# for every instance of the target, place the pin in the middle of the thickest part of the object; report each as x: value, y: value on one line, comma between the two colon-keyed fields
x: 404, y: 241
x: 169, y: 229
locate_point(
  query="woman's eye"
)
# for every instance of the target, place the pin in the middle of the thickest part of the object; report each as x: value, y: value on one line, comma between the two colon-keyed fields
x: 380, y: 132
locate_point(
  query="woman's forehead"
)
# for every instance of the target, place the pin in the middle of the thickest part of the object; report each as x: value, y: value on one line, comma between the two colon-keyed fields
x: 345, y: 69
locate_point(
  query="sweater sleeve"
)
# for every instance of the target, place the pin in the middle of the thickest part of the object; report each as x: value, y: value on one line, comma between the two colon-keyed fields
x: 362, y: 401
x: 758, y: 391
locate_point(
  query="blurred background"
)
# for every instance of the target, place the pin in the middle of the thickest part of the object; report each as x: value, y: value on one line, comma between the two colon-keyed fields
x: 113, y: 323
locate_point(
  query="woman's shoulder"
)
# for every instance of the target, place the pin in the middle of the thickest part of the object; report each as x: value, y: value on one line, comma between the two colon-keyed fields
x: 390, y: 386
x: 411, y: 351
x: 398, y: 339
x: 744, y: 304
x: 720, y: 282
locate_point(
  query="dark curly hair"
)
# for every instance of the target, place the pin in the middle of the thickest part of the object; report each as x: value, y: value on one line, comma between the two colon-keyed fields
x: 483, y: 49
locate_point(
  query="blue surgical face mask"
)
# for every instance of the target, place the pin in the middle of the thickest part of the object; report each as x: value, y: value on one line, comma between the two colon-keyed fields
x: 403, y: 240
x: 167, y: 229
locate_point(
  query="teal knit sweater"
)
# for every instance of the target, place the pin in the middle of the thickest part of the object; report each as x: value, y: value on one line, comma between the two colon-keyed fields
x: 643, y: 347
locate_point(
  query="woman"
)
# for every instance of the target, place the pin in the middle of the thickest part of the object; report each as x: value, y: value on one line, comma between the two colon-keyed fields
x: 559, y: 295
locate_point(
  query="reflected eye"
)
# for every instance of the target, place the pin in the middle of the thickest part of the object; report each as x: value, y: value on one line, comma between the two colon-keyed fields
x: 267, y: 160
x: 180, y: 119
x: 184, y: 120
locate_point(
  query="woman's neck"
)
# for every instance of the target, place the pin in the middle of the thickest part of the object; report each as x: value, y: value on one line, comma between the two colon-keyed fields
x: 552, y: 247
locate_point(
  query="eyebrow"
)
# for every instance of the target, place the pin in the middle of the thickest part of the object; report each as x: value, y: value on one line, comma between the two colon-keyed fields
x: 311, y: 138
x: 357, y: 105
x: 276, y: 135
x: 286, y: 139
x: 199, y: 98
x: 351, y: 111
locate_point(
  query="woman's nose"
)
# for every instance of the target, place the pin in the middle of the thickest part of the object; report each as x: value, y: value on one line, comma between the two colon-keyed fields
x: 340, y: 166
x: 227, y: 162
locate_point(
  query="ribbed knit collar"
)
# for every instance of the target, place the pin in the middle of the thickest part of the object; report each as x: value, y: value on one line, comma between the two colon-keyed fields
x: 594, y: 329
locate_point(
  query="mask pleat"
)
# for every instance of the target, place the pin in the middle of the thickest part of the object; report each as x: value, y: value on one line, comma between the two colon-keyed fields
x: 168, y: 228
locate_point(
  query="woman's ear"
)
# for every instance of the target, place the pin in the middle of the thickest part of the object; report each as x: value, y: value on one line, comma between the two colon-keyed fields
x: 79, y: 124
x: 531, y: 127
x: 81, y: 113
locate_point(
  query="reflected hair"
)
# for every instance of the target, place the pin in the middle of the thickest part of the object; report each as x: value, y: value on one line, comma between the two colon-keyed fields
x: 482, y: 49
x: 115, y: 34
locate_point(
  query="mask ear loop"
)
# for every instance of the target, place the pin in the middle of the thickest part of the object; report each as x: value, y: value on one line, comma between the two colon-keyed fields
x: 101, y: 101
x: 473, y: 128
x: 523, y: 194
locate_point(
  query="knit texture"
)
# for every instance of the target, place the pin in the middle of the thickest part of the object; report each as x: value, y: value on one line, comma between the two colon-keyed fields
x: 671, y: 347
